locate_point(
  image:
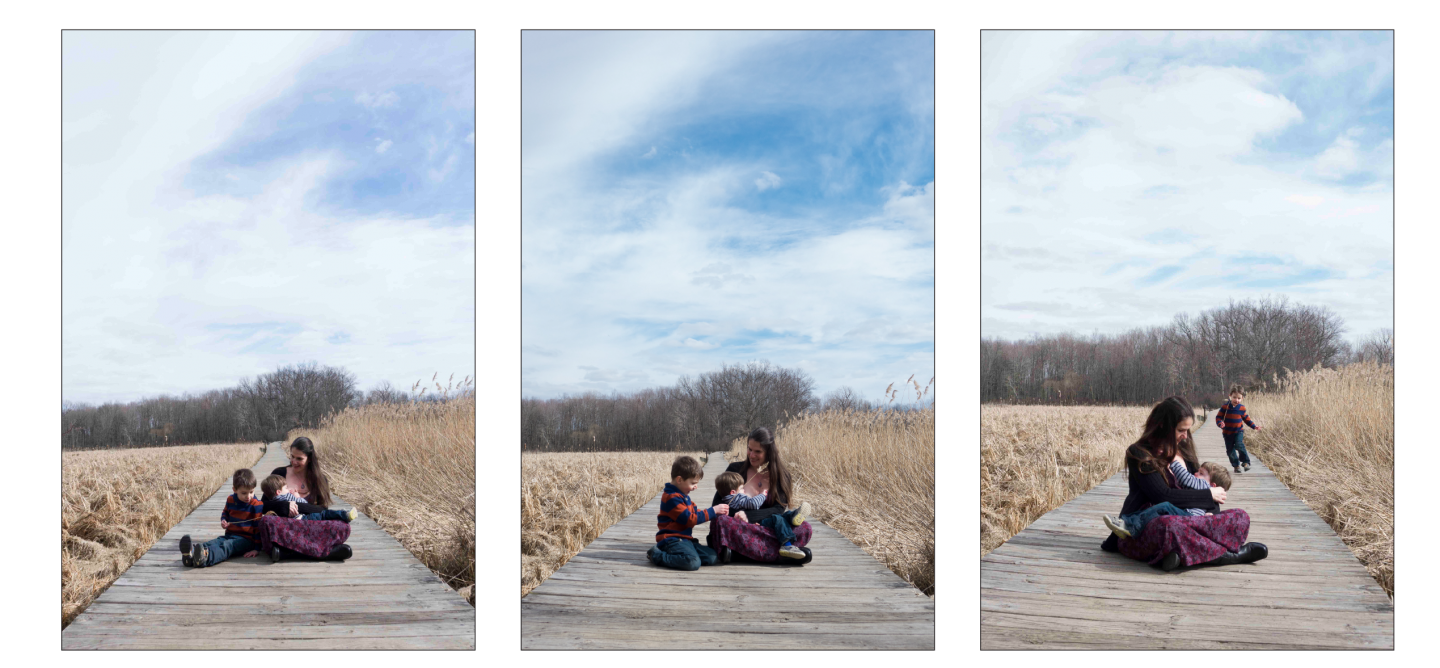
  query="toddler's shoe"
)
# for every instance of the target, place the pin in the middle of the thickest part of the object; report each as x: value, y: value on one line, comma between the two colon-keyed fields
x: 1116, y: 526
x: 350, y: 515
x: 198, y: 555
x: 185, y: 550
x: 800, y: 514
x: 788, y: 550
x: 1237, y: 469
x: 1247, y: 467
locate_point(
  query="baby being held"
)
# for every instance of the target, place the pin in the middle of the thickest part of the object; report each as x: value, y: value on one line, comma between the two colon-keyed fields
x: 1208, y: 475
x: 733, y: 485
x: 278, y: 497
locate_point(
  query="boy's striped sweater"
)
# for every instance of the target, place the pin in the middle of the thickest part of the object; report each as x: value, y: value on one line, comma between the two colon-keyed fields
x: 1230, y: 416
x: 678, y: 515
x: 244, y: 518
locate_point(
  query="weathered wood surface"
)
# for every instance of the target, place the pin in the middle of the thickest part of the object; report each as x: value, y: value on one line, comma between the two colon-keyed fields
x: 382, y: 598
x: 1052, y: 587
x: 609, y: 596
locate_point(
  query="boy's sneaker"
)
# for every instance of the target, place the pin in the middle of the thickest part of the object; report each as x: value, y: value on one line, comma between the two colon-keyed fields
x: 1116, y: 526
x: 1247, y: 467
x: 350, y: 515
x: 185, y: 550
x: 800, y: 514
x: 198, y: 555
x: 789, y: 550
x: 1237, y: 469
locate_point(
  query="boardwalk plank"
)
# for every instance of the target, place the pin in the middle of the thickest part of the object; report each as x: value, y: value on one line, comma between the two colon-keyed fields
x: 1052, y: 587
x: 609, y: 596
x: 382, y: 598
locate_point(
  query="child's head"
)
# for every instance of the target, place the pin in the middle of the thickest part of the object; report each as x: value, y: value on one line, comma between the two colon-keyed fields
x: 243, y: 483
x: 1236, y: 394
x: 1215, y: 474
x: 272, y: 486
x: 728, y: 482
x: 686, y: 473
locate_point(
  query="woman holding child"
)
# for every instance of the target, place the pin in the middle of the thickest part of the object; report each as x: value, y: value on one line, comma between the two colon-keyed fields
x: 771, y: 532
x: 1167, y: 532
x: 292, y: 532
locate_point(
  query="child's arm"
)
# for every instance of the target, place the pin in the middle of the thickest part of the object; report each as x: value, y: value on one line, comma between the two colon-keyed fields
x: 1182, y: 475
x: 741, y: 501
x: 687, y: 514
x: 1245, y: 415
x: 1220, y: 416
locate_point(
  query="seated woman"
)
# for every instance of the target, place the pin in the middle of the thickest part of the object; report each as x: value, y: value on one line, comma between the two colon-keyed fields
x: 1173, y: 541
x: 284, y: 537
x: 741, y: 533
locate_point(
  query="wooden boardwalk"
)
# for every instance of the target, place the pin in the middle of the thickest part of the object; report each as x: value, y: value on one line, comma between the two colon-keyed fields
x: 1052, y: 587
x: 609, y: 596
x: 382, y: 598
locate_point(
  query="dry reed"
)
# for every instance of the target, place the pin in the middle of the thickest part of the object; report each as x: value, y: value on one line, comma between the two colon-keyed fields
x: 870, y: 476
x: 1329, y: 435
x: 567, y: 499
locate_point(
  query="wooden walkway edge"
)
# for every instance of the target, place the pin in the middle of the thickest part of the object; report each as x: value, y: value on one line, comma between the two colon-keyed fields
x: 609, y: 596
x: 1052, y: 587
x: 382, y: 598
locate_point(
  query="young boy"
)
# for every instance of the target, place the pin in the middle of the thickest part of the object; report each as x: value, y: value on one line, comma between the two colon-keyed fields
x: 675, y: 547
x: 730, y: 482
x: 239, y: 519
x: 277, y: 497
x: 1229, y: 419
x: 1209, y: 475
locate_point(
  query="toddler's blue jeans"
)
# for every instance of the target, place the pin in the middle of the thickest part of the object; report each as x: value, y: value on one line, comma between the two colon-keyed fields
x: 780, y: 526
x: 1135, y: 522
x: 328, y: 514
x: 681, y: 554
x: 1235, y: 448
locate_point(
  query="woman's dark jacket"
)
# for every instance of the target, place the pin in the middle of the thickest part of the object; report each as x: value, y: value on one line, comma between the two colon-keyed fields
x: 317, y: 507
x: 771, y: 507
x: 1148, y: 489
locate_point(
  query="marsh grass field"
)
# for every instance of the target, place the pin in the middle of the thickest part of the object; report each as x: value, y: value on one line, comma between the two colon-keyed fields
x: 1328, y: 435
x: 408, y: 466
x: 870, y: 475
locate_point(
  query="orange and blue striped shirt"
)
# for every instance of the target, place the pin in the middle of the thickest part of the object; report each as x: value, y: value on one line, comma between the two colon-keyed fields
x: 244, y: 518
x: 1230, y: 416
x: 678, y: 514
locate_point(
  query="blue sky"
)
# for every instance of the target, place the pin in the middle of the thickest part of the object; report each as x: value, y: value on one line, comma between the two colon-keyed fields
x: 698, y: 198
x: 1130, y: 176
x: 237, y: 201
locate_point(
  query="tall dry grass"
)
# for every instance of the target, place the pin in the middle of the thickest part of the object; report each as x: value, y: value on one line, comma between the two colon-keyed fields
x: 411, y: 468
x: 567, y: 499
x: 1329, y: 435
x: 114, y: 505
x: 1033, y: 459
x: 871, y: 476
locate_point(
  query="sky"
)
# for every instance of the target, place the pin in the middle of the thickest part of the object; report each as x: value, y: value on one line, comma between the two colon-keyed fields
x: 1130, y: 176
x: 695, y: 199
x: 234, y: 202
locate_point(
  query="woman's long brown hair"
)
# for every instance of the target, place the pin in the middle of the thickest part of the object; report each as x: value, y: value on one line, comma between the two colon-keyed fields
x: 779, y: 476
x: 314, y: 476
x: 1157, y: 447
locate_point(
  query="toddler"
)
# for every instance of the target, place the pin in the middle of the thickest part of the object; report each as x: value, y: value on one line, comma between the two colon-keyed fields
x: 1209, y: 475
x: 278, y: 496
x: 675, y: 547
x: 779, y: 524
x: 239, y: 519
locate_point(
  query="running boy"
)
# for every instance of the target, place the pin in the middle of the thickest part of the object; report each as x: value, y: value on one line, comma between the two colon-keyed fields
x: 674, y: 546
x: 1209, y: 475
x: 731, y: 483
x: 277, y: 498
x: 239, y: 518
x: 1229, y: 419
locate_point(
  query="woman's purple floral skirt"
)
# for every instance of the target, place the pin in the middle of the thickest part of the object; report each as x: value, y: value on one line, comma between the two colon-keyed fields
x: 314, y: 538
x: 1198, y: 538
x: 752, y: 540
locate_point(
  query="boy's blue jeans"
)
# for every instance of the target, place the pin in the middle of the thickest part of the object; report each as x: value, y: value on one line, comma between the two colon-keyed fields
x: 225, y: 547
x: 780, y: 526
x: 328, y: 514
x: 1135, y: 522
x: 682, y: 554
x: 1235, y: 448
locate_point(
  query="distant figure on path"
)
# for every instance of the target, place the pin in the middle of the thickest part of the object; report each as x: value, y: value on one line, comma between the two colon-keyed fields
x: 1229, y: 419
x: 745, y: 532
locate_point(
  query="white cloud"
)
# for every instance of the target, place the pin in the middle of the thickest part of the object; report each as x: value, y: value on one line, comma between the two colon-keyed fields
x: 767, y: 181
x: 650, y: 153
x: 382, y: 146
x: 377, y: 101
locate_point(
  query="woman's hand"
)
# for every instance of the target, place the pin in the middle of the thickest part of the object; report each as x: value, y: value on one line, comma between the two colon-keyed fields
x: 740, y: 516
x: 294, y: 509
x: 1218, y: 493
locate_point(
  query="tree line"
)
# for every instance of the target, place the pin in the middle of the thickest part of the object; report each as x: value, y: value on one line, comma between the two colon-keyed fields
x: 1247, y: 343
x: 704, y: 412
x: 264, y: 408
